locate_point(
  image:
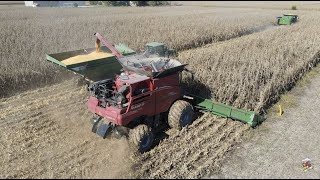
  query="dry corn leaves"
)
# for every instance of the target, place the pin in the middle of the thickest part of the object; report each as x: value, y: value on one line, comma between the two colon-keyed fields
x: 27, y: 34
x: 251, y: 72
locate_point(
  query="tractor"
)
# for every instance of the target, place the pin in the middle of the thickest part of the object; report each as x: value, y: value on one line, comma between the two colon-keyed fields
x: 287, y: 19
x: 131, y: 94
x: 159, y: 49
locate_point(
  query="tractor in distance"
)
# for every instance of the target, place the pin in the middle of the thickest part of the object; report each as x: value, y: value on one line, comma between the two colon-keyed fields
x: 287, y: 19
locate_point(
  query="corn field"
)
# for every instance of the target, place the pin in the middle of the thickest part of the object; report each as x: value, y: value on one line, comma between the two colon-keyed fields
x: 239, y: 56
x: 248, y: 72
x: 251, y: 72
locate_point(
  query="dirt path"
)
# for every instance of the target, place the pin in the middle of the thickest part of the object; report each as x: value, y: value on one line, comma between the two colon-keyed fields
x: 276, y: 149
x: 45, y: 134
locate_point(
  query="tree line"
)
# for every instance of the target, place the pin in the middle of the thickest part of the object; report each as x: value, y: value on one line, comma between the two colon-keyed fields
x: 130, y: 3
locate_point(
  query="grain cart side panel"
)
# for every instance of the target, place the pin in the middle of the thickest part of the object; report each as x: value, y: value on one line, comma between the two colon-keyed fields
x: 93, y: 69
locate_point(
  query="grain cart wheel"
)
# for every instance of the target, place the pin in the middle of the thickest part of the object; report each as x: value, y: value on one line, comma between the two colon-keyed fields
x: 141, y: 138
x: 180, y: 114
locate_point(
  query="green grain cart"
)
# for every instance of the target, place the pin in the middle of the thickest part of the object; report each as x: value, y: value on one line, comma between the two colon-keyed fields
x: 287, y: 19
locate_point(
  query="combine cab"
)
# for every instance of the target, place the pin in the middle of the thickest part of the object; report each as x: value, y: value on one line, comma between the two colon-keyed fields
x: 287, y: 19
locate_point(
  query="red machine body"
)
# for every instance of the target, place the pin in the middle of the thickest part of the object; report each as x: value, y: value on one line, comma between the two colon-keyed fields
x: 146, y: 97
x: 140, y: 99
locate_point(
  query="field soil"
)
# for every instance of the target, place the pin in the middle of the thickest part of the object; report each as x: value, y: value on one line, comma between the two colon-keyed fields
x: 45, y: 133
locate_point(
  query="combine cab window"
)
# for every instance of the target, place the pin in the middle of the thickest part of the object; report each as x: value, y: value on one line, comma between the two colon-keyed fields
x: 160, y: 50
x: 150, y: 49
x: 156, y: 50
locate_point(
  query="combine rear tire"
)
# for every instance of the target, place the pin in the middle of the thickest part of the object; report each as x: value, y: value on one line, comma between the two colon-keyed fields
x: 141, y: 138
x: 180, y: 114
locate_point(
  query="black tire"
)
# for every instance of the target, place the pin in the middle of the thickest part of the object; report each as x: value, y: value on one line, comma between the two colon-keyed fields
x: 141, y: 137
x: 180, y: 114
x: 96, y: 124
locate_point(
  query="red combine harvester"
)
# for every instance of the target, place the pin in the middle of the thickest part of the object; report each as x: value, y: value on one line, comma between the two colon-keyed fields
x: 146, y: 93
x: 139, y: 97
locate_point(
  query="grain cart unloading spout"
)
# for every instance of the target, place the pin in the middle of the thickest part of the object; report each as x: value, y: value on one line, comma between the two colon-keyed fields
x: 107, y: 44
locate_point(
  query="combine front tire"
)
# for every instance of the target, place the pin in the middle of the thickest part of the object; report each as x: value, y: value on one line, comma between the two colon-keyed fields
x: 141, y: 138
x: 180, y: 114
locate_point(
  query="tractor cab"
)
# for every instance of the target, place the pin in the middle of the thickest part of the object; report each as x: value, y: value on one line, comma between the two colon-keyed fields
x: 159, y: 49
x: 287, y: 19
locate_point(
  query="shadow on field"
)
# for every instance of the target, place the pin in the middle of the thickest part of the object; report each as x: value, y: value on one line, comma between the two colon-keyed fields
x: 191, y: 87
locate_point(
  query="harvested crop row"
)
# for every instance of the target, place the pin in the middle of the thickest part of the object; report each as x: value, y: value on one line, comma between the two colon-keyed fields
x: 28, y: 34
x: 45, y: 133
x: 194, y: 152
x: 251, y: 72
